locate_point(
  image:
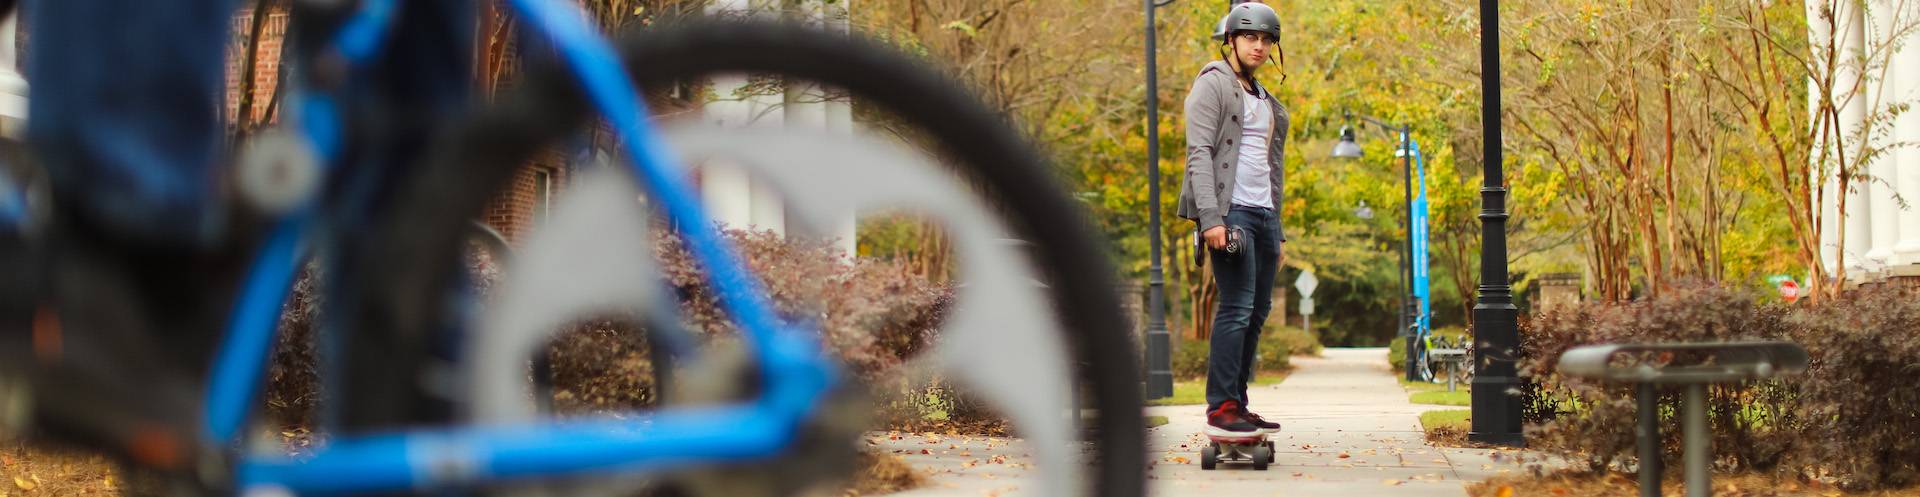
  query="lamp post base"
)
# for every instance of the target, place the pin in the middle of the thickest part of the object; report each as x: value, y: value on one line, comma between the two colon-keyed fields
x: 1496, y: 413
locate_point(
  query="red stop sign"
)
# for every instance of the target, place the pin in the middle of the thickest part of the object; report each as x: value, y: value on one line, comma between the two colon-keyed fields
x: 1789, y: 290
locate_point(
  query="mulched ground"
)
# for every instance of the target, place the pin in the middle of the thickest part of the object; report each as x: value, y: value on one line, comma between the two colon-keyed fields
x: 1586, y: 484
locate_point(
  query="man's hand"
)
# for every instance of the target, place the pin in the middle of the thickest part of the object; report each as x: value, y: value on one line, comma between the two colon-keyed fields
x: 1216, y: 237
x: 1282, y: 262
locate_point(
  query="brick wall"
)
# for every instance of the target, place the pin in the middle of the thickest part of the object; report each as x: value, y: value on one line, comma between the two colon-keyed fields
x: 513, y: 211
x: 267, y: 66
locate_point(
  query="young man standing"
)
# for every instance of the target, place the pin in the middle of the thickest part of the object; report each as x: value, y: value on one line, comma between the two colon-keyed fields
x: 1236, y: 143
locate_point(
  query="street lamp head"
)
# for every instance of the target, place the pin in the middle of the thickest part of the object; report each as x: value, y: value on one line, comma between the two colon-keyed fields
x: 1346, y: 148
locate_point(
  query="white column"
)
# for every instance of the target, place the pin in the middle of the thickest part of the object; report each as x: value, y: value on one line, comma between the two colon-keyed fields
x: 1887, y: 91
x: 1826, y: 214
x: 13, y: 86
x: 731, y: 196
x: 839, y: 119
x: 806, y: 109
x: 1906, y: 163
x: 1851, y: 39
x: 1858, y: 218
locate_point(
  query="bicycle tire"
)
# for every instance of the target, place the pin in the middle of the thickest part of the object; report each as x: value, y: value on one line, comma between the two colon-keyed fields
x: 475, y: 159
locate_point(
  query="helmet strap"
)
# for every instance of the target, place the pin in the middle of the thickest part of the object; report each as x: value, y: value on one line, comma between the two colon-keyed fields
x: 1232, y: 54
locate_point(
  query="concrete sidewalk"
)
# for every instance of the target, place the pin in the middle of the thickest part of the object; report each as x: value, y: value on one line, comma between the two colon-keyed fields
x: 1347, y: 430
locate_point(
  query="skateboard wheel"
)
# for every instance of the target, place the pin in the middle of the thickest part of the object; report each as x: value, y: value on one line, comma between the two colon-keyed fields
x: 1271, y: 452
x: 1261, y: 456
x: 1209, y: 457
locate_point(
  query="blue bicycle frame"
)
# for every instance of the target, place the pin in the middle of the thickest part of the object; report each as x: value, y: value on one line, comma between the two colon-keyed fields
x: 796, y: 372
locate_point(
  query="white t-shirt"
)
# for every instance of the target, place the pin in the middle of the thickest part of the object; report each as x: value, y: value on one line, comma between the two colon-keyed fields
x: 1252, y: 184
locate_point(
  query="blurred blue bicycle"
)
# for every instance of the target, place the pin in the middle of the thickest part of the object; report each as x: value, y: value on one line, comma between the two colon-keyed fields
x: 1020, y: 345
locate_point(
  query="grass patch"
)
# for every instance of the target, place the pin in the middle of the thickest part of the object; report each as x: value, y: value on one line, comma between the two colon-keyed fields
x: 1156, y: 421
x: 1422, y: 386
x: 1442, y: 398
x: 1194, y: 391
x: 1448, y: 427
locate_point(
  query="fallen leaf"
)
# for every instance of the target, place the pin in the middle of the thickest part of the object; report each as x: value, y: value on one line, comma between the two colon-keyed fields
x: 23, y: 483
x: 1559, y: 490
x: 1395, y: 483
x: 1344, y: 455
x: 926, y: 452
x: 1504, y: 491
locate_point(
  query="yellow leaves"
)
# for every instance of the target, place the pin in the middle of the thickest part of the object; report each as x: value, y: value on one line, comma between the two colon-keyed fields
x: 1504, y: 491
x: 24, y: 484
x: 962, y: 27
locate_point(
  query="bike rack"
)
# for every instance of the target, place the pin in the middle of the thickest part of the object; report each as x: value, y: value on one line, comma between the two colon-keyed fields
x: 1692, y: 365
x: 1452, y: 358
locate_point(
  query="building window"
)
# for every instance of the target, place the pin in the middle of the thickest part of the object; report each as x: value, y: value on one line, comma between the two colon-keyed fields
x: 542, y: 194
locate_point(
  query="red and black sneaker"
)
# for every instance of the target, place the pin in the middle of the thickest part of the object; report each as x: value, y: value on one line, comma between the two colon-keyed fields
x: 1228, y: 422
x: 1265, y: 426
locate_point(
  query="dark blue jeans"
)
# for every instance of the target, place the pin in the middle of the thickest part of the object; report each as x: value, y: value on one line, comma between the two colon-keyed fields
x: 125, y: 112
x: 1245, y: 280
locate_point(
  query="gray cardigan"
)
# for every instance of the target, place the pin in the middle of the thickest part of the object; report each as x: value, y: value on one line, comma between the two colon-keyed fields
x: 1213, y: 152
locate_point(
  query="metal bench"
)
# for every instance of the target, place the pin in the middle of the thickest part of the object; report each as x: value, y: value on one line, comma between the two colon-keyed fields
x: 1692, y: 365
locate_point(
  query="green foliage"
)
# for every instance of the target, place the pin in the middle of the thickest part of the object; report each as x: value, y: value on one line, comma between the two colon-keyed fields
x: 1190, y: 359
x: 1294, y: 340
x: 1274, y: 353
x: 1276, y: 347
x: 1397, y: 354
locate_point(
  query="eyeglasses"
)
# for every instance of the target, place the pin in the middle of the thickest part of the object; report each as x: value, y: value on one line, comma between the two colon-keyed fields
x: 1255, y: 36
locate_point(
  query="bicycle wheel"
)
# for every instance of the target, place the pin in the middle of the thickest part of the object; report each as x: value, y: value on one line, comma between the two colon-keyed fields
x: 1019, y: 354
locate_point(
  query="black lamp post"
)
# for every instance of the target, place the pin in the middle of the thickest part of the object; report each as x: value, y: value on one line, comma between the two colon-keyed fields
x: 1348, y: 148
x: 1496, y: 411
x: 1159, y: 346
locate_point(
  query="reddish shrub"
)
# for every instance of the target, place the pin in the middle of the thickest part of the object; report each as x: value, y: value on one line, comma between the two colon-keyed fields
x: 1852, y: 416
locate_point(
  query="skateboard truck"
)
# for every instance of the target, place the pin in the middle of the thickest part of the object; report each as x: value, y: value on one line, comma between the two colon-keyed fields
x: 1256, y: 450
